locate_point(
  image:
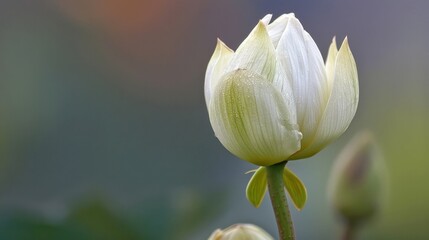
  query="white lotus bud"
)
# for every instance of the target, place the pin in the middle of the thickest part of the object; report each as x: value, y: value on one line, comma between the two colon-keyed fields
x: 274, y: 99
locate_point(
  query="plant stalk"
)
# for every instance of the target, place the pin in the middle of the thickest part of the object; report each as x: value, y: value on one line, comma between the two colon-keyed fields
x: 349, y: 231
x: 279, y: 201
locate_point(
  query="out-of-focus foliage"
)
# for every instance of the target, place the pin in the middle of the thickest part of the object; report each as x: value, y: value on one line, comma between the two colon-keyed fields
x: 94, y: 219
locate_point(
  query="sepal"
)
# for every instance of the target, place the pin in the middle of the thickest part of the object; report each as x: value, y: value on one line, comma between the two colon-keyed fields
x: 296, y: 188
x: 257, y: 187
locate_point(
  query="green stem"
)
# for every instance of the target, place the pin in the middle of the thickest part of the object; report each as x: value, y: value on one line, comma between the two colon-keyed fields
x: 279, y: 201
x: 349, y: 231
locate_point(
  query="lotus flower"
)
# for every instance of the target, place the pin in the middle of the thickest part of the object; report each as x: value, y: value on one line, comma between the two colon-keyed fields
x: 274, y: 99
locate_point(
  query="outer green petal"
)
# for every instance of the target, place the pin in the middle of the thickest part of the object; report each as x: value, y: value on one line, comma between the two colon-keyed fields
x: 342, y: 103
x: 249, y: 117
x: 256, y: 53
x: 257, y: 187
x: 303, y: 63
x: 216, y: 68
x: 296, y: 188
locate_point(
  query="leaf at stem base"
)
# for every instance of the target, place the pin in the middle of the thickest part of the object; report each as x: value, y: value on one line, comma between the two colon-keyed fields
x: 296, y: 188
x: 257, y: 187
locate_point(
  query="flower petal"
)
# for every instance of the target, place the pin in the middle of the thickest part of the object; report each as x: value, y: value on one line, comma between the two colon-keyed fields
x: 266, y: 19
x: 249, y: 117
x: 281, y: 83
x: 330, y: 62
x: 303, y: 63
x: 277, y: 27
x: 342, y: 103
x: 256, y: 53
x: 216, y: 68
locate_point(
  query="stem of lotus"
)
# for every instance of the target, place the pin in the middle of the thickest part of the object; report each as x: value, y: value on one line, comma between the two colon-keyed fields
x: 349, y: 231
x: 279, y: 201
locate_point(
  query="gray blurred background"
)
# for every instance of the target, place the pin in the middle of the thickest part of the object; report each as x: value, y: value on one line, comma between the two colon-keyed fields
x: 104, y: 132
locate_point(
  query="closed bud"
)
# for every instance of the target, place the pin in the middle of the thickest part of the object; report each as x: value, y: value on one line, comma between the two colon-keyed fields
x: 358, y: 180
x: 240, y: 232
x: 274, y: 98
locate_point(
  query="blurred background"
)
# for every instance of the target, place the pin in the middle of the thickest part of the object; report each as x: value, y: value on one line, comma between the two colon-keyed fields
x: 104, y: 132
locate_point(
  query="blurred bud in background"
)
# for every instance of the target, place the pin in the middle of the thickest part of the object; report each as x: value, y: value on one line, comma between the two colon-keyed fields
x: 358, y: 183
x: 241, y: 232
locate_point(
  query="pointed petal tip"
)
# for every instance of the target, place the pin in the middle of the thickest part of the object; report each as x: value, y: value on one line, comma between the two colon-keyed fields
x: 220, y: 45
x: 256, y: 53
x: 266, y: 19
x: 295, y: 23
x: 260, y: 29
x: 261, y: 25
x: 292, y: 17
x: 345, y: 47
x: 334, y: 44
x: 345, y: 42
x: 287, y: 15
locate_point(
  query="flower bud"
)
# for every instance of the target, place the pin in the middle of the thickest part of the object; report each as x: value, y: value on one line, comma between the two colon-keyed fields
x: 358, y: 180
x: 274, y: 98
x: 240, y: 232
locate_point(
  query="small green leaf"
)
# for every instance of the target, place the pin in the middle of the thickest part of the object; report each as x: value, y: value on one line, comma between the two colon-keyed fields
x: 257, y: 187
x: 295, y: 188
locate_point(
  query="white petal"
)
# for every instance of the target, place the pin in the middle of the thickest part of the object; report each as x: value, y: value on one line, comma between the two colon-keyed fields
x: 281, y: 83
x: 266, y: 20
x: 303, y: 64
x: 249, y: 117
x: 256, y: 53
x: 216, y: 68
x: 276, y: 28
x: 342, y: 103
x: 330, y: 63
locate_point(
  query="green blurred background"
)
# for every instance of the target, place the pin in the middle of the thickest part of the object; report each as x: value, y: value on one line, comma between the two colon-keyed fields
x: 104, y: 132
